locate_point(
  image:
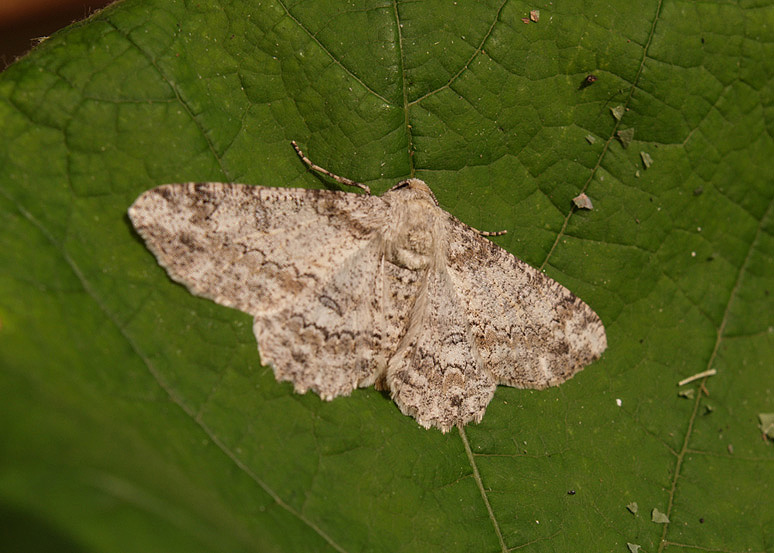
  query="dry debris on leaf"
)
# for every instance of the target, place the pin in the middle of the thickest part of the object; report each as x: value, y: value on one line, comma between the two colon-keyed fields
x: 582, y: 201
x: 767, y: 424
x: 625, y: 136
x: 588, y: 81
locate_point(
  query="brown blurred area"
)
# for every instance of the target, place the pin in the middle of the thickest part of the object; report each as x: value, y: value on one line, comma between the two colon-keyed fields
x: 23, y: 22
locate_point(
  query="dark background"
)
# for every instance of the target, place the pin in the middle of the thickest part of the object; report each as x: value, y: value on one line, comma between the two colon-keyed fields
x: 24, y: 22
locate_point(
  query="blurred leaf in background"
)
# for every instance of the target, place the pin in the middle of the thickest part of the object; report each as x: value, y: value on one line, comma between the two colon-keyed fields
x: 137, y: 417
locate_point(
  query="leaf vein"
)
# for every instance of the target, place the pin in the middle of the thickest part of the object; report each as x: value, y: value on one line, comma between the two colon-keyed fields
x: 480, y: 484
x: 182, y: 101
x: 406, y: 106
x: 610, y: 139
x: 333, y: 58
x: 466, y: 65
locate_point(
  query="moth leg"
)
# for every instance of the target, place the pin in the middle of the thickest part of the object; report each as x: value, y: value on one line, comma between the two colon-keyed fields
x: 337, y: 178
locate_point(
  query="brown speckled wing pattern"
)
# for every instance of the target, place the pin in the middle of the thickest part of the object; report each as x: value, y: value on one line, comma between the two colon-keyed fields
x: 350, y: 290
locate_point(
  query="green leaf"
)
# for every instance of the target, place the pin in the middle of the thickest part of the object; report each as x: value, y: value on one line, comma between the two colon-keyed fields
x: 137, y: 417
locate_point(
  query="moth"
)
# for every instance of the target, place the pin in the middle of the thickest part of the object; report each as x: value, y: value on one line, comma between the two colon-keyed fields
x: 350, y: 290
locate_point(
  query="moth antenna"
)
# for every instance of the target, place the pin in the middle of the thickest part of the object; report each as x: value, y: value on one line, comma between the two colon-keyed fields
x: 491, y: 233
x: 341, y: 180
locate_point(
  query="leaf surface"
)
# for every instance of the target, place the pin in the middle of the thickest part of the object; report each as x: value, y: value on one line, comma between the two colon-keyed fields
x: 137, y: 417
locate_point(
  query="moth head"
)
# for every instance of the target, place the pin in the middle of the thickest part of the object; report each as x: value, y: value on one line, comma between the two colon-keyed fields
x: 412, y: 189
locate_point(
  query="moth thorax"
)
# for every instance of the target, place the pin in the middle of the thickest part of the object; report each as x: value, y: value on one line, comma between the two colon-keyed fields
x: 413, y: 247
